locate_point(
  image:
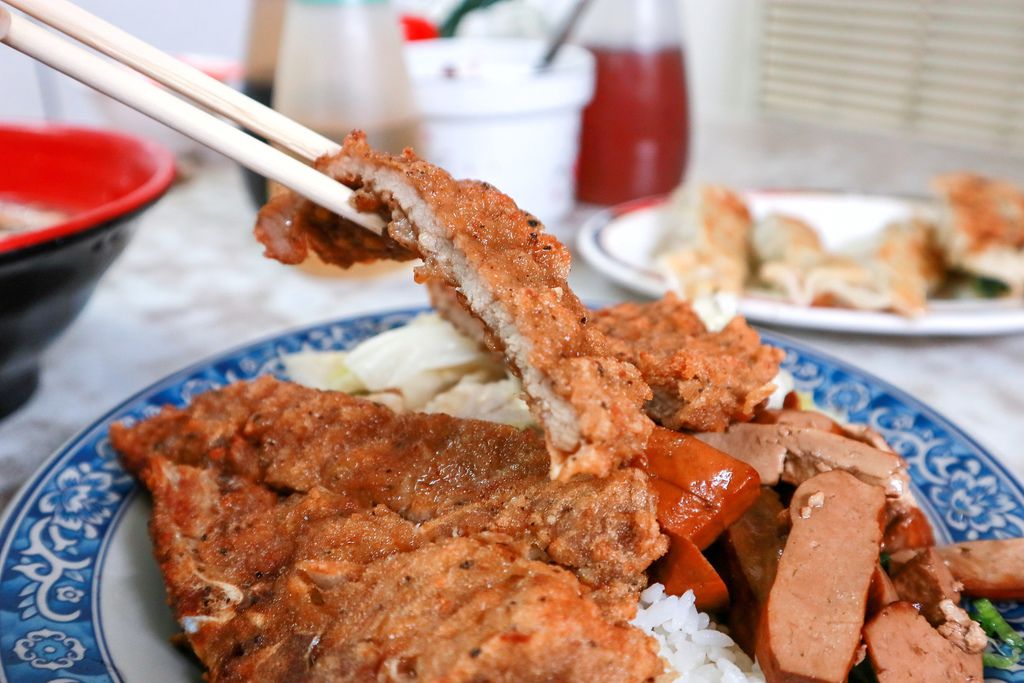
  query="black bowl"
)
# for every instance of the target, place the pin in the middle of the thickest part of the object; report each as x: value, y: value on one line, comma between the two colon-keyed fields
x: 101, y: 182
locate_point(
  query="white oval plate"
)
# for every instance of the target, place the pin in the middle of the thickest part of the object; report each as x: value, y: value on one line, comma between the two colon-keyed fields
x: 620, y: 243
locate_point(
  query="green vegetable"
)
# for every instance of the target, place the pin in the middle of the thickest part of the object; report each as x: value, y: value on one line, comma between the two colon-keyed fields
x: 986, y: 614
x: 885, y: 560
x: 994, y: 661
x: 987, y: 288
x: 862, y: 673
x: 451, y: 24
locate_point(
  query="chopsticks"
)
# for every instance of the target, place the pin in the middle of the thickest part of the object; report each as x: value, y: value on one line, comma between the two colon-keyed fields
x: 90, y: 30
x: 148, y: 98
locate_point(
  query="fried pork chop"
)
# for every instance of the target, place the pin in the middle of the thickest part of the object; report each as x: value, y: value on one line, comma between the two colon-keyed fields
x: 701, y: 380
x: 452, y: 477
x: 312, y: 586
x: 509, y: 274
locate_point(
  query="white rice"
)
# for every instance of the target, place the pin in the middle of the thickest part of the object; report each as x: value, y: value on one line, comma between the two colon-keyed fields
x: 694, y: 649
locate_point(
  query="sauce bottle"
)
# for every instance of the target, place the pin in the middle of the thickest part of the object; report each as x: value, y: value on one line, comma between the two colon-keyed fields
x: 265, y: 20
x: 636, y: 129
x: 341, y: 67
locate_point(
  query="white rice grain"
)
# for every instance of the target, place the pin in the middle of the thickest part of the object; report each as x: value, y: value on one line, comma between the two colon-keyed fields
x: 694, y: 649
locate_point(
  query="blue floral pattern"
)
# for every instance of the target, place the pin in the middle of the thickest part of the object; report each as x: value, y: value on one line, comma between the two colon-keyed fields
x: 974, y: 503
x: 81, y: 500
x: 51, y: 650
x: 53, y: 535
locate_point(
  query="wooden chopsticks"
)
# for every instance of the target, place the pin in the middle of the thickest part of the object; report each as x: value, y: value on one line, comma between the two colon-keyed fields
x: 152, y: 100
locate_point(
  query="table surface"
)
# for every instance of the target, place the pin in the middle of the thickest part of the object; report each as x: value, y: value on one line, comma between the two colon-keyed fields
x: 193, y: 283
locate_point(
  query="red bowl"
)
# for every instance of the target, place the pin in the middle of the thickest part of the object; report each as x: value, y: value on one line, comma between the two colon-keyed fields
x: 102, y: 182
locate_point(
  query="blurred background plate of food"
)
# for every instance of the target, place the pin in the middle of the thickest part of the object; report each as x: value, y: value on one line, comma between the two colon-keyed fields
x: 827, y: 260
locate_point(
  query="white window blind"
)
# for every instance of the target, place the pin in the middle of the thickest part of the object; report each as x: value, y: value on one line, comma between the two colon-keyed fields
x: 939, y: 69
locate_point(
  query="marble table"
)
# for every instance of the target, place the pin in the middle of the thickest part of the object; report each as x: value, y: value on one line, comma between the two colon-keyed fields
x: 193, y: 283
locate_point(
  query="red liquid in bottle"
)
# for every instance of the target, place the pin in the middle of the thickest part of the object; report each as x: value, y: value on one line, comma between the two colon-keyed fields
x: 636, y: 129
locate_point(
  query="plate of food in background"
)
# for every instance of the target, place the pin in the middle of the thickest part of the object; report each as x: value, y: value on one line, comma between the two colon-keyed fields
x: 825, y: 260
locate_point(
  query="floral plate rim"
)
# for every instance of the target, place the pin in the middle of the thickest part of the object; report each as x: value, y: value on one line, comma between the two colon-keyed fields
x: 67, y: 646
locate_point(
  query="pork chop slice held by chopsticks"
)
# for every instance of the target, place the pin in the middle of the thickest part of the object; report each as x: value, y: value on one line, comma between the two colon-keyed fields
x: 509, y: 274
x: 700, y: 379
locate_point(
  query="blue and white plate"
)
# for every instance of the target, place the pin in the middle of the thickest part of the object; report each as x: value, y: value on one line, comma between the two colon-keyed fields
x: 81, y: 597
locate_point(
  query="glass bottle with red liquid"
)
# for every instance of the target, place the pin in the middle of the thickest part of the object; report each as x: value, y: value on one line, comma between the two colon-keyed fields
x: 636, y: 129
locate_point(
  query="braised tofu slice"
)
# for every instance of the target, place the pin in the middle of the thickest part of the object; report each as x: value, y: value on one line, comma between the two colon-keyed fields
x: 924, y: 579
x: 815, y: 612
x: 988, y: 569
x: 783, y: 452
x: 752, y: 547
x: 908, y: 530
x: 755, y: 444
x: 882, y: 592
x: 904, y: 648
x: 816, y: 420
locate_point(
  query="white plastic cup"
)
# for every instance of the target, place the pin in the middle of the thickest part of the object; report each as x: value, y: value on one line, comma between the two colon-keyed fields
x: 488, y: 114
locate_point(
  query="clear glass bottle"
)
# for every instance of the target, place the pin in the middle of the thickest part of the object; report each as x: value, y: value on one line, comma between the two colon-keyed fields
x: 636, y: 129
x: 265, y: 21
x: 341, y: 67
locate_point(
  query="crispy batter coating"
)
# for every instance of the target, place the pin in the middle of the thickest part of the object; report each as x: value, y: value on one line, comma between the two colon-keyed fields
x: 309, y: 587
x: 510, y: 275
x: 451, y: 476
x: 982, y: 227
x: 290, y: 226
x: 986, y: 212
x: 701, y: 380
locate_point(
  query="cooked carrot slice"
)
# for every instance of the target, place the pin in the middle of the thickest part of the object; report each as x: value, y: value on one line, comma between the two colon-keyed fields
x: 686, y: 515
x: 727, y: 486
x: 685, y: 568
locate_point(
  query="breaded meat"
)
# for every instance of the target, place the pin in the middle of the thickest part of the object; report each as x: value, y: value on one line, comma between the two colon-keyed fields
x: 701, y: 380
x: 451, y: 476
x: 510, y: 275
x: 311, y: 587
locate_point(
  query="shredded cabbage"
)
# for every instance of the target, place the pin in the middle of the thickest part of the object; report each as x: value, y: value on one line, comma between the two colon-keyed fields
x: 420, y: 359
x: 476, y: 398
x: 716, y: 310
x: 406, y: 367
x: 783, y: 385
x: 326, y: 370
